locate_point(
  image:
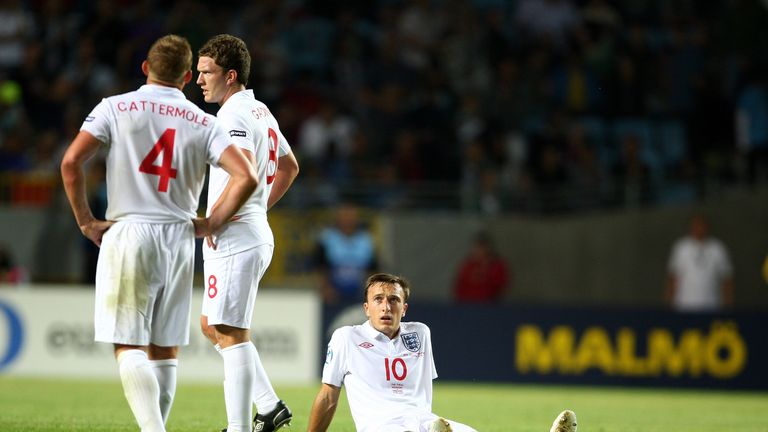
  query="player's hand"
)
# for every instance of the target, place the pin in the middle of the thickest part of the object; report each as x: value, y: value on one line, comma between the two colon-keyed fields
x: 95, y: 230
x: 202, y: 227
x: 210, y: 241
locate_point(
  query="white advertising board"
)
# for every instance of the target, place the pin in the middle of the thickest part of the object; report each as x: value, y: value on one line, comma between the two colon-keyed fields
x: 48, y: 331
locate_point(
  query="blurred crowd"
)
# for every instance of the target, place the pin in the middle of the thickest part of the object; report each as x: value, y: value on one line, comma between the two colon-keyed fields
x: 484, y: 105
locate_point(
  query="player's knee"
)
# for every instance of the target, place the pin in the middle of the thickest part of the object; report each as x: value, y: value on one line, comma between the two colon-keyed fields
x: 156, y: 352
x: 208, y: 331
x: 228, y: 336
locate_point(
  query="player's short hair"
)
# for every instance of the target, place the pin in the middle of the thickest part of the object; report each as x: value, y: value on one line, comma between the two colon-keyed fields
x: 169, y: 58
x: 391, y: 280
x: 229, y: 52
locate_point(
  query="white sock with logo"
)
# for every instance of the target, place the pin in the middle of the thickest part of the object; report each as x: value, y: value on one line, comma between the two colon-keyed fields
x: 238, y: 385
x: 141, y: 389
x: 264, y: 395
x: 165, y: 371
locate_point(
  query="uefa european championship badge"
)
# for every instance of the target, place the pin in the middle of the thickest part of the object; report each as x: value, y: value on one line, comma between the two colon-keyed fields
x: 411, y: 341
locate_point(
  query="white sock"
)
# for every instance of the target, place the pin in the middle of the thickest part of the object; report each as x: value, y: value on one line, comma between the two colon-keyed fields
x: 238, y: 385
x: 264, y: 395
x: 165, y: 371
x: 141, y: 389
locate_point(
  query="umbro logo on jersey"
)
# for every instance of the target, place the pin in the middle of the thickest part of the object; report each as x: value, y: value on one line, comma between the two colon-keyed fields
x: 366, y: 345
x: 90, y: 118
x: 237, y: 133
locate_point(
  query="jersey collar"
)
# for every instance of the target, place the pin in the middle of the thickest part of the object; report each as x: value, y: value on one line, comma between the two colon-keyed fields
x: 247, y: 93
x: 371, y: 332
x: 163, y: 90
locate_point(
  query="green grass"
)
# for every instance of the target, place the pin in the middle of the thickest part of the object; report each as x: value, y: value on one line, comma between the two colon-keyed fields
x: 59, y: 405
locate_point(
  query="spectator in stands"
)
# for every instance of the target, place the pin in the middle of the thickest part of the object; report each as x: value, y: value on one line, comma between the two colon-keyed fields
x: 549, y: 20
x: 326, y: 139
x: 17, y: 27
x: 392, y: 71
x: 700, y: 271
x: 13, y: 155
x: 483, y: 275
x: 632, y: 175
x: 345, y: 254
x: 752, y: 126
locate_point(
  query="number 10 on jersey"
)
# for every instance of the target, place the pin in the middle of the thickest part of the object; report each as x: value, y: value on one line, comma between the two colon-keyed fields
x: 396, y: 369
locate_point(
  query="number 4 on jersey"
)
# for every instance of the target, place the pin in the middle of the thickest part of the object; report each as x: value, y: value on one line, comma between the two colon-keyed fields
x: 163, y: 145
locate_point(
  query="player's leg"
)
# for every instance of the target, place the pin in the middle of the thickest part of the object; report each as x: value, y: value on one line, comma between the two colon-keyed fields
x: 140, y: 386
x: 170, y: 315
x: 264, y: 395
x: 164, y: 364
x: 228, y: 306
x: 238, y: 354
x: 124, y: 297
x: 224, y: 305
x: 208, y: 331
x: 434, y: 423
x: 273, y: 413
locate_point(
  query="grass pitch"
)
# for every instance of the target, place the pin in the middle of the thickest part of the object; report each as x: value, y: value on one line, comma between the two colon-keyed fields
x: 59, y: 405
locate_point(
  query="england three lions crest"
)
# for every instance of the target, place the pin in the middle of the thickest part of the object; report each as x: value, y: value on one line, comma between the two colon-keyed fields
x: 411, y: 341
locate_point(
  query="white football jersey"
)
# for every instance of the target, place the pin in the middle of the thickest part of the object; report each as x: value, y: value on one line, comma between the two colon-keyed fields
x: 251, y: 126
x: 159, y: 144
x: 385, y: 379
x: 700, y: 268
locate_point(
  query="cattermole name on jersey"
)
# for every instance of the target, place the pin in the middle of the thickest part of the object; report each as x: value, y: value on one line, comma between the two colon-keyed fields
x: 163, y: 109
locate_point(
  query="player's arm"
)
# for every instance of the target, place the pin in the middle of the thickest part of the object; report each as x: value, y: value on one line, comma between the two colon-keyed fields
x: 82, y: 148
x: 324, y: 408
x: 670, y: 284
x: 287, y: 170
x: 242, y: 182
x: 249, y: 156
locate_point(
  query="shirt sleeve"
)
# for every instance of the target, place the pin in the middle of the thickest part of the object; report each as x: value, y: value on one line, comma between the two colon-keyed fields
x: 238, y: 128
x: 283, y: 148
x: 335, y: 367
x: 218, y: 142
x: 429, y: 352
x: 673, y: 266
x: 725, y: 268
x: 97, y: 123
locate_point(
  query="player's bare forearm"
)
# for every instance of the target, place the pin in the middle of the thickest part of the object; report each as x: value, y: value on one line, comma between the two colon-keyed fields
x: 228, y: 187
x: 237, y: 194
x: 324, y: 408
x: 83, y: 147
x: 287, y: 170
x: 73, y: 177
x: 242, y: 183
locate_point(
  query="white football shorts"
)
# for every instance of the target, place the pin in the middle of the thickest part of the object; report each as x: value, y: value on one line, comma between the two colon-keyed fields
x: 231, y: 283
x: 420, y: 423
x: 144, y: 284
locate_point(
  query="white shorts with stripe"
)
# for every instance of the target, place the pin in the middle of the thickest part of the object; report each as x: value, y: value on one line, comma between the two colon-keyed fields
x: 231, y: 285
x: 144, y: 284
